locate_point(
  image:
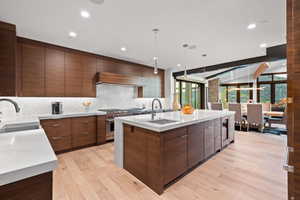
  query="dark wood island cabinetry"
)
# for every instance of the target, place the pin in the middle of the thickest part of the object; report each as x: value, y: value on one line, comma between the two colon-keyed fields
x: 159, y: 158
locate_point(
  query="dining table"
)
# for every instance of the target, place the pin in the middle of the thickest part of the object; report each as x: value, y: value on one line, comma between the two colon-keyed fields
x: 273, y: 113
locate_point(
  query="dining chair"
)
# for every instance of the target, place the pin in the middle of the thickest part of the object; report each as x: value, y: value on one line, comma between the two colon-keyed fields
x: 216, y: 106
x: 238, y: 118
x: 255, y: 117
x: 266, y: 106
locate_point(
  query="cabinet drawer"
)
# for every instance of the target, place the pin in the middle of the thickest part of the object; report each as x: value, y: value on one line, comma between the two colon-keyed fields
x: 57, y: 127
x: 60, y: 143
x: 83, y: 131
x: 176, y: 133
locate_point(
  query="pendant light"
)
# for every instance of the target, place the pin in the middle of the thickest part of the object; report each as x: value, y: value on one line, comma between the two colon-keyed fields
x: 185, y: 46
x: 155, y: 58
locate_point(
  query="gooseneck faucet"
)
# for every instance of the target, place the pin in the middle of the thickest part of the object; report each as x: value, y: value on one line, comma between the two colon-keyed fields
x: 153, y: 114
x: 17, y: 108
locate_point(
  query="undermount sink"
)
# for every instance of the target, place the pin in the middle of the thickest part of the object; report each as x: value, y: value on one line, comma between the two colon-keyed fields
x: 162, y: 121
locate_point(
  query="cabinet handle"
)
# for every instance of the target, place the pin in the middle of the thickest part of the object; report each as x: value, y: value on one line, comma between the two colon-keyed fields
x: 57, y: 138
x: 184, y: 136
x: 55, y: 125
x: 85, y: 122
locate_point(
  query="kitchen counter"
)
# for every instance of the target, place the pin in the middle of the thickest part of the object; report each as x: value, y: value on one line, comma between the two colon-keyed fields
x: 25, y: 154
x: 142, y: 121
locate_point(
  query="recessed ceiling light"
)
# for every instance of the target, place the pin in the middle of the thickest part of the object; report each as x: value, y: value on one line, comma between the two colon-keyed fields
x: 251, y: 26
x: 178, y: 65
x: 263, y: 45
x: 85, y: 14
x: 123, y: 49
x: 72, y: 34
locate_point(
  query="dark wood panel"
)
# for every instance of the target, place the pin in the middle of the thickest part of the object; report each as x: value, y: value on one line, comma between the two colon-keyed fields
x: 33, y: 71
x: 73, y: 75
x: 89, y: 76
x: 175, y: 154
x: 7, y: 59
x: 195, y: 144
x: 101, y: 129
x: 120, y: 79
x: 218, y: 135
x: 58, y: 133
x: 55, y: 72
x: 34, y: 188
x: 83, y: 131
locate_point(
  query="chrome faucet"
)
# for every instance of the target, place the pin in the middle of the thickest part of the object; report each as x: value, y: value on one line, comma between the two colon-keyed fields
x: 17, y: 108
x: 153, y: 114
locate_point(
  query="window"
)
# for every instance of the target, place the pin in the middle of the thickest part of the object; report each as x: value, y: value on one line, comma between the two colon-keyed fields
x: 265, y: 93
x: 232, y: 94
x: 265, y: 78
x: 280, y: 92
x: 190, y: 93
x: 280, y: 77
x: 244, y: 94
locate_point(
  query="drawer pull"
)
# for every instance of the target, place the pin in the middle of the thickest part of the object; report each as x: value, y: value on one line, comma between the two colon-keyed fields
x: 55, y: 125
x: 184, y: 136
x: 85, y: 122
x: 57, y: 138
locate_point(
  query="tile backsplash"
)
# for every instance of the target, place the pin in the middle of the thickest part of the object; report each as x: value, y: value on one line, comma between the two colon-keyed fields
x: 108, y: 96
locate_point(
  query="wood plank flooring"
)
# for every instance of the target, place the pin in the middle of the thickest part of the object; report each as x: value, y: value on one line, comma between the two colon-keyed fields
x: 249, y: 169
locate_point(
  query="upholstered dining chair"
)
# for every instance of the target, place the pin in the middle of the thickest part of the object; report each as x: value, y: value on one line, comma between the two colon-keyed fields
x: 266, y: 106
x: 255, y: 117
x: 238, y: 118
x: 216, y: 106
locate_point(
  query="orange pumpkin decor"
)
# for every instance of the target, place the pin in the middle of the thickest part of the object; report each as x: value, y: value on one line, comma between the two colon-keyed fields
x: 187, y: 109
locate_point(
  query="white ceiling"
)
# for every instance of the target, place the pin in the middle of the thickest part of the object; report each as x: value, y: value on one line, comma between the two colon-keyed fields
x: 218, y: 28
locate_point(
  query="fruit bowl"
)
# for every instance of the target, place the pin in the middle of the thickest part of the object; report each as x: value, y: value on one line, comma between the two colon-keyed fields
x: 187, y: 110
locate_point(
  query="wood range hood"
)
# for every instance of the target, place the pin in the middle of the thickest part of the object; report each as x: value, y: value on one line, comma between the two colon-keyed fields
x: 117, y: 79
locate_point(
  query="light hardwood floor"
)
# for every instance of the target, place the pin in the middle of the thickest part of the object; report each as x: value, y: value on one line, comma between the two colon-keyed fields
x: 249, y: 169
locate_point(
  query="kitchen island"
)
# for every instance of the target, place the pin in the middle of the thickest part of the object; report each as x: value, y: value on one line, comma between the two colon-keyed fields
x: 160, y: 150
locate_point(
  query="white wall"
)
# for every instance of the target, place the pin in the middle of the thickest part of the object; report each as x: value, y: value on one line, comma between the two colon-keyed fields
x: 108, y: 96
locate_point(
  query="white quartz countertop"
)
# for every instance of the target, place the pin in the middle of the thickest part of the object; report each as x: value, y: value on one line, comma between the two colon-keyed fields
x: 69, y: 115
x: 24, y: 154
x: 181, y: 119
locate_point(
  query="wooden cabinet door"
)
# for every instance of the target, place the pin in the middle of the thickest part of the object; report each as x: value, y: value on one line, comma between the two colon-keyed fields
x: 73, y: 75
x: 175, y: 154
x: 7, y: 59
x: 293, y: 107
x: 101, y: 129
x: 195, y: 144
x: 55, y: 73
x: 58, y: 133
x: 83, y: 131
x: 209, y: 139
x: 89, y: 76
x: 33, y: 71
x: 217, y: 133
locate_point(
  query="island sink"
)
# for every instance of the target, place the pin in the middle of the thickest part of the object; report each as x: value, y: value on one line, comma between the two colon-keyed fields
x: 162, y: 121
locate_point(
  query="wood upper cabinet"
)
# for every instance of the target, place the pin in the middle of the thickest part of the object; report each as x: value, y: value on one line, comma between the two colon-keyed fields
x: 89, y: 76
x: 33, y: 70
x: 175, y: 154
x: 7, y: 59
x: 83, y: 131
x: 58, y: 132
x: 73, y: 74
x: 209, y: 139
x: 55, y: 72
x: 195, y: 144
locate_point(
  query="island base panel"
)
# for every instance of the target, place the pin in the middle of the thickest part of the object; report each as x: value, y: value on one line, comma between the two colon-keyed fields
x: 34, y: 188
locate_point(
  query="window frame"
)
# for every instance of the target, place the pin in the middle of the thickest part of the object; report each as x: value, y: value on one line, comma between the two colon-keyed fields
x: 238, y: 95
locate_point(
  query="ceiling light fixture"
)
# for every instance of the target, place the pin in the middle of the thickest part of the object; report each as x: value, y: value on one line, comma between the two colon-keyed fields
x: 155, y: 58
x: 85, y: 14
x: 251, y: 26
x: 185, y: 46
x: 263, y: 45
x: 123, y: 49
x: 72, y: 34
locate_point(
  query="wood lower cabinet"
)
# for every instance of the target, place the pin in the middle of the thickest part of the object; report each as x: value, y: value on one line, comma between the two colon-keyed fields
x: 59, y: 133
x: 157, y: 159
x: 195, y: 144
x: 83, y: 131
x: 174, y: 154
x: 101, y: 129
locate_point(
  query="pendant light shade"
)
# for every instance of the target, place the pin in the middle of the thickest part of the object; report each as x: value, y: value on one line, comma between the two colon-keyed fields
x: 155, y: 58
